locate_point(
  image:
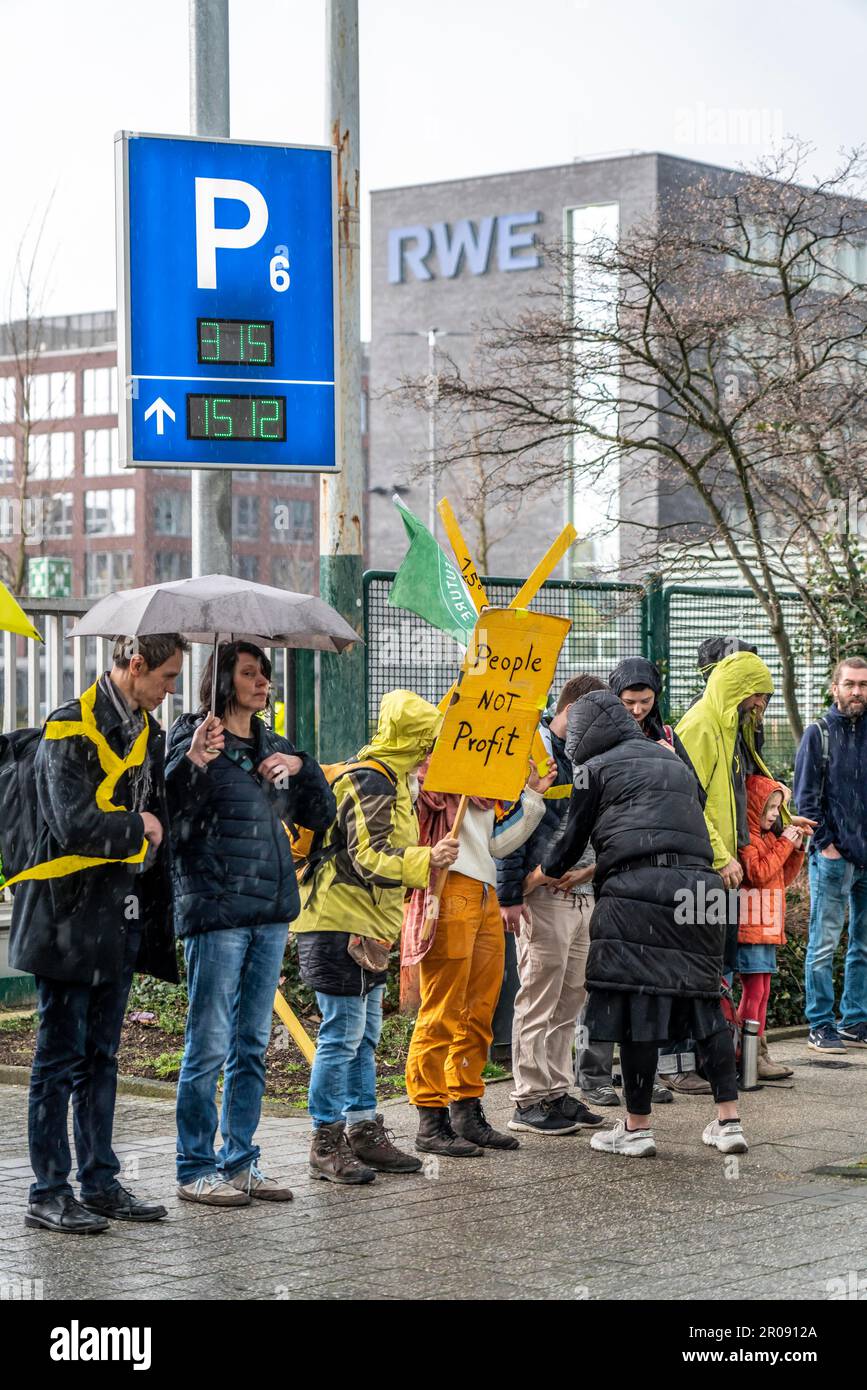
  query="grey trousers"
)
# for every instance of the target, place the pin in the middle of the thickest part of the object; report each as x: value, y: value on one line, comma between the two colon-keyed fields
x: 552, y: 955
x: 594, y: 1061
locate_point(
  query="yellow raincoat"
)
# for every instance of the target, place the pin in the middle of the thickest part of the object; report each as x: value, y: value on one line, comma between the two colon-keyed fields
x: 708, y: 732
x: 361, y: 887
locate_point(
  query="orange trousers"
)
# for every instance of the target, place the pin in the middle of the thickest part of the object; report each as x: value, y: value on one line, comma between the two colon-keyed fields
x: 460, y: 980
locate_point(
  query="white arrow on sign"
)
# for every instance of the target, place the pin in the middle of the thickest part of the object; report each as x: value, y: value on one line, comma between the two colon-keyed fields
x: 162, y: 410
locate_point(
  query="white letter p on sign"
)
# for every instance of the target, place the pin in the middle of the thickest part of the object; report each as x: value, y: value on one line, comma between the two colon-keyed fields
x: 209, y: 237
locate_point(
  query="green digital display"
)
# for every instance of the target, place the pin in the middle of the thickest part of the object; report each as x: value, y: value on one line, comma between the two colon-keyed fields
x: 257, y: 419
x: 236, y: 342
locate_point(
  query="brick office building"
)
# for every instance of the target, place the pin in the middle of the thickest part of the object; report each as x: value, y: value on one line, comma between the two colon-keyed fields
x: 121, y: 528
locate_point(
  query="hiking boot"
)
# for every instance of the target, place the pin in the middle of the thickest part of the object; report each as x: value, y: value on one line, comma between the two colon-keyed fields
x: 727, y: 1136
x: 64, y: 1213
x: 257, y: 1184
x: 575, y: 1109
x: 631, y: 1143
x: 470, y: 1122
x: 372, y: 1144
x: 436, y: 1136
x: 686, y: 1083
x: 601, y: 1095
x: 825, y: 1038
x: 853, y: 1035
x: 332, y: 1159
x: 213, y: 1191
x: 543, y: 1117
x: 768, y: 1069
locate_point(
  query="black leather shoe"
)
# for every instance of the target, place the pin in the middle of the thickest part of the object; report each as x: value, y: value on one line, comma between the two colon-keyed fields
x: 121, y: 1205
x: 64, y: 1213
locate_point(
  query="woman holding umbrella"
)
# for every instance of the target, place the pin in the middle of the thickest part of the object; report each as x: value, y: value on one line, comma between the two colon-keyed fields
x: 233, y: 785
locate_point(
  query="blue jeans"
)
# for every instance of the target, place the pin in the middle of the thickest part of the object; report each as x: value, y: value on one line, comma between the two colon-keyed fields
x: 832, y: 881
x: 232, y: 977
x: 343, y: 1080
x: 76, y: 1052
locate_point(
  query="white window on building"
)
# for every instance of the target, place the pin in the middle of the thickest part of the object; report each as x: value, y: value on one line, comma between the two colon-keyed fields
x: 246, y: 567
x: 107, y: 570
x: 171, y: 564
x: 7, y: 400
x: 57, y: 515
x: 110, y: 512
x: 100, y: 452
x: 291, y: 521
x: 245, y: 518
x: 292, y: 572
x: 172, y: 513
x: 7, y: 458
x: 52, y: 455
x: 100, y: 391
x: 52, y: 395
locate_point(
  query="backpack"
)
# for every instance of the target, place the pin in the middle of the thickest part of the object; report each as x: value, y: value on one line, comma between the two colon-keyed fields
x: 822, y: 725
x: 18, y: 805
x: 308, y: 849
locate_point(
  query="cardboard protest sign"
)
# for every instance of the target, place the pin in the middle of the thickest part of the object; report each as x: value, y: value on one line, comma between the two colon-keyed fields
x: 488, y: 731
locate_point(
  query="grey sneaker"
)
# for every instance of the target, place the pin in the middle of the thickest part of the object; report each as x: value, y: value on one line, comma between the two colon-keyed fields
x: 602, y: 1095
x: 257, y: 1184
x: 728, y: 1138
x: 213, y: 1191
x: 853, y: 1034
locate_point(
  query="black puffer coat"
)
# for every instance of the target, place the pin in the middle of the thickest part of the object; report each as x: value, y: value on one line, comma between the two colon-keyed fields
x: 633, y: 799
x: 233, y: 863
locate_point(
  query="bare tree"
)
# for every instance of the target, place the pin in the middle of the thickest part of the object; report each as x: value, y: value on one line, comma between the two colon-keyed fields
x: 24, y: 335
x: 712, y: 362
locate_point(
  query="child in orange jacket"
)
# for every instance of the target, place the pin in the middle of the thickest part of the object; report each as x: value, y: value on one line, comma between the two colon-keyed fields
x: 770, y: 862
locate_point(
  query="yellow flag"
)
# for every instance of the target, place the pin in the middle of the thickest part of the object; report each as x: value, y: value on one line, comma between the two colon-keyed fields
x: 13, y: 618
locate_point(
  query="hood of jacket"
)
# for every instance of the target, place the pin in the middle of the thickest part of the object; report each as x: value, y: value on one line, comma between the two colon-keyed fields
x: 597, y: 722
x: 635, y: 671
x: 406, y: 731
x: 714, y: 649
x: 759, y: 791
x: 732, y: 680
x: 638, y: 671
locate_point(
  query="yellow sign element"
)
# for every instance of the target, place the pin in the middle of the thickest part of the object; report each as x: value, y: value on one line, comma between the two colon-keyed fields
x: 484, y: 745
x: 13, y: 618
x: 113, y: 766
x: 461, y: 551
x: 295, y: 1027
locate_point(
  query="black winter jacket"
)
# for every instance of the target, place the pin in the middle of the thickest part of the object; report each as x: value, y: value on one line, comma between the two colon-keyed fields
x: 75, y: 928
x: 326, y: 964
x: 233, y: 863
x: 633, y: 800
x: 512, y: 870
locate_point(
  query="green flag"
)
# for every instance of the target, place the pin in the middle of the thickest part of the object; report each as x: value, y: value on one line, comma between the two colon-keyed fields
x: 430, y: 585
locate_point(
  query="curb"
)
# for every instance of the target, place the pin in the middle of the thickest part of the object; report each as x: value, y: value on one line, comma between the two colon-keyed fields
x: 145, y: 1087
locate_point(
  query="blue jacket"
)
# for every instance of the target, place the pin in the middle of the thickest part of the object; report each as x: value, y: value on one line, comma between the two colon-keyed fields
x: 841, y: 812
x: 232, y: 864
x: 512, y: 870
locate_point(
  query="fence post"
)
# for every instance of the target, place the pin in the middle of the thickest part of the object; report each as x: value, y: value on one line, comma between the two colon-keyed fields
x: 305, y: 700
x: 655, y: 635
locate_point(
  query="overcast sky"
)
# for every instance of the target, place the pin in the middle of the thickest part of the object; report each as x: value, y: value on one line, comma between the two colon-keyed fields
x: 448, y: 89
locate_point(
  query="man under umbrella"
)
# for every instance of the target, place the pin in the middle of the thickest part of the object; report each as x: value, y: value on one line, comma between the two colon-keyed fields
x: 92, y: 906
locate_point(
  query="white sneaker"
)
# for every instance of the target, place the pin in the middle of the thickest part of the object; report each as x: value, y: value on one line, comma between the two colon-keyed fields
x: 729, y: 1139
x: 634, y: 1143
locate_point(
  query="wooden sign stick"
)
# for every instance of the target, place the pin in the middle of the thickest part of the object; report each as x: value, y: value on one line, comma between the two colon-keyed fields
x: 295, y: 1027
x: 433, y: 907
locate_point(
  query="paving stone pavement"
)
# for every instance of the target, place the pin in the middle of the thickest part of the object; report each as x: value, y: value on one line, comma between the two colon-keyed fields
x: 554, y: 1220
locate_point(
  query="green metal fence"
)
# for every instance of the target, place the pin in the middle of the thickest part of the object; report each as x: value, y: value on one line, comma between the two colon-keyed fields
x: 405, y: 652
x: 610, y: 621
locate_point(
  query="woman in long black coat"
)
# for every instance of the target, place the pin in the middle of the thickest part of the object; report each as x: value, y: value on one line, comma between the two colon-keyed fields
x: 656, y: 945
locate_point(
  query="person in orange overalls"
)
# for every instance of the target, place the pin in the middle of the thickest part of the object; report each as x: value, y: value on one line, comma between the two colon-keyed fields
x: 461, y: 968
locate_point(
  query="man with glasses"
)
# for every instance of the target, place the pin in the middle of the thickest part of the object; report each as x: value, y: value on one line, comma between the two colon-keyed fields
x: 831, y: 789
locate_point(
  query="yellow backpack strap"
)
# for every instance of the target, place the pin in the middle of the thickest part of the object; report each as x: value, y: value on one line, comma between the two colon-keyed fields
x: 113, y: 767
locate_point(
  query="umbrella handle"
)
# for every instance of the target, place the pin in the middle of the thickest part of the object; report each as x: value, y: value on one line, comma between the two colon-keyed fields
x: 214, y: 674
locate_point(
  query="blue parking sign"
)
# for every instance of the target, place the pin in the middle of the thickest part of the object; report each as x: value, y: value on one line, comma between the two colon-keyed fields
x: 227, y: 299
